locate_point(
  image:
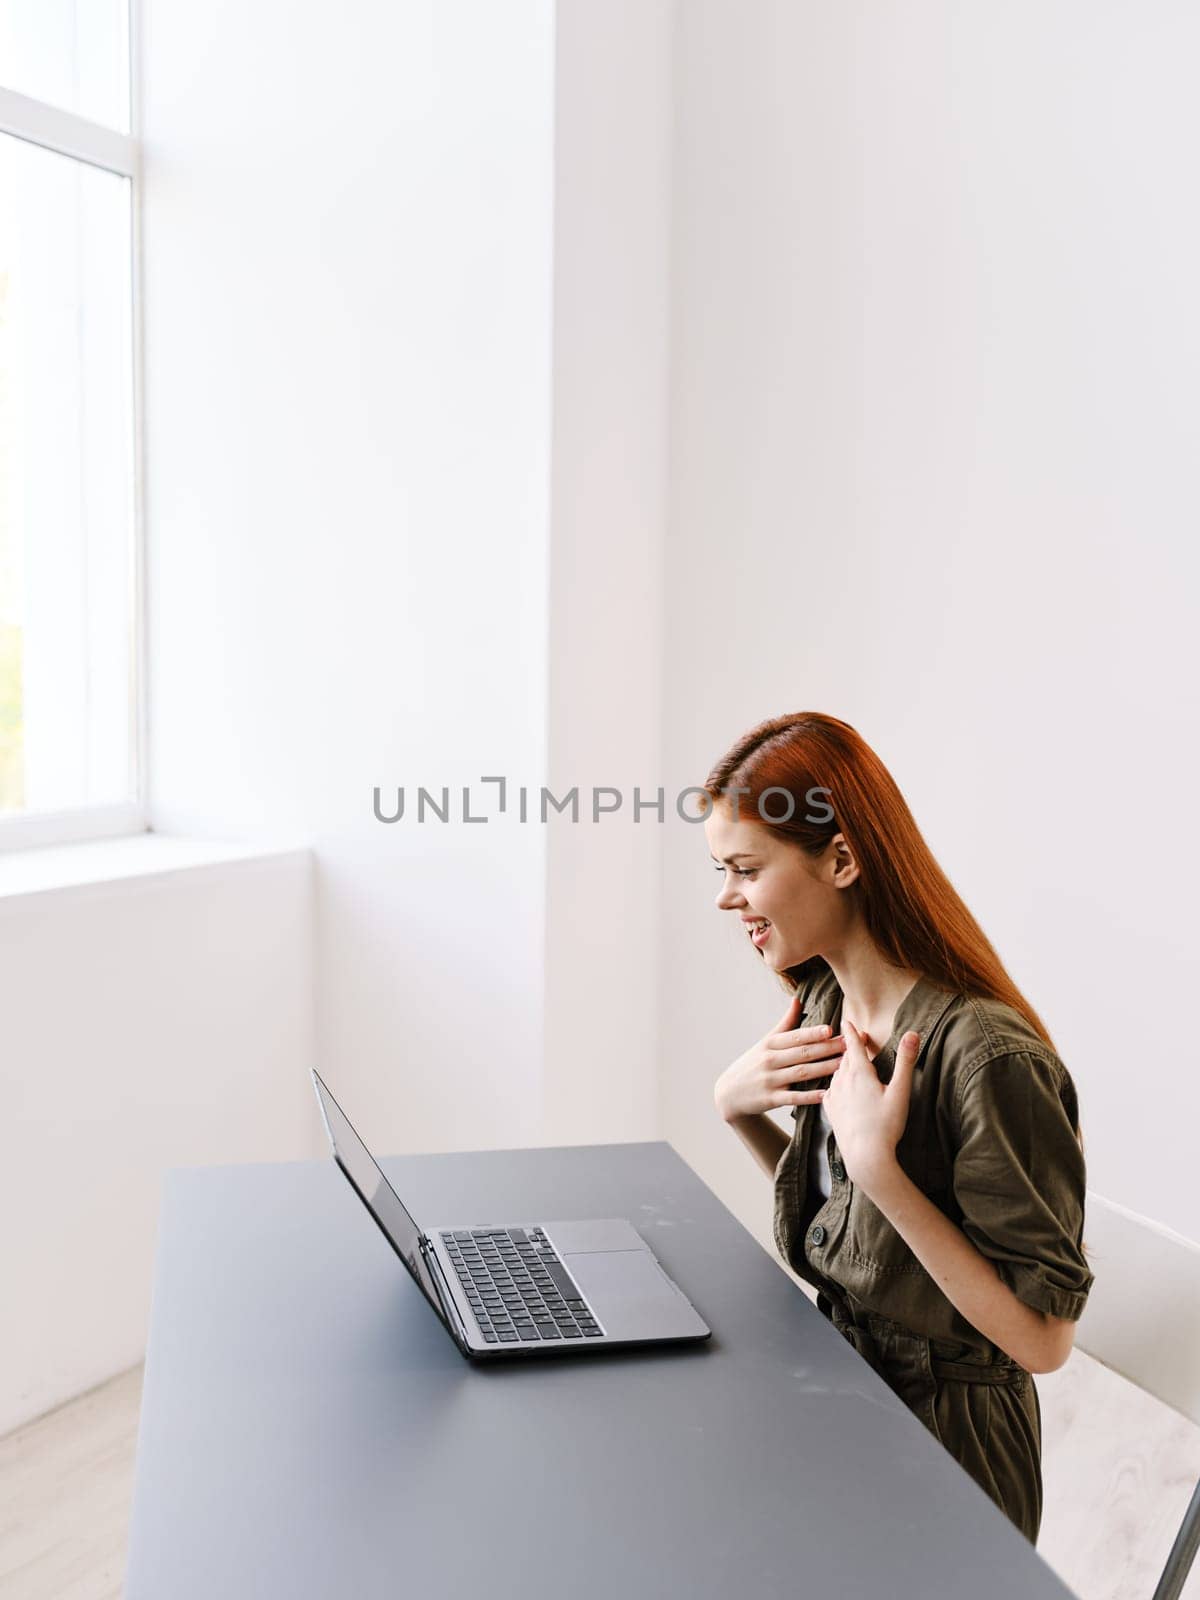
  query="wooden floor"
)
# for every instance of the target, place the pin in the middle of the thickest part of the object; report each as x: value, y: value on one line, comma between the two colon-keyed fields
x: 65, y: 1485
x: 1118, y: 1467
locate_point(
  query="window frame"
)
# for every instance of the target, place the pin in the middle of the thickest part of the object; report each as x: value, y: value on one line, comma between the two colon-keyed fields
x: 67, y: 134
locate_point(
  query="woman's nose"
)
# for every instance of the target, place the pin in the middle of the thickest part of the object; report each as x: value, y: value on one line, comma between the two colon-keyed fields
x: 727, y: 898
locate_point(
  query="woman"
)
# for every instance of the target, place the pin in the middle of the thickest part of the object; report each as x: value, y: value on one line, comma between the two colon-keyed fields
x: 933, y: 1189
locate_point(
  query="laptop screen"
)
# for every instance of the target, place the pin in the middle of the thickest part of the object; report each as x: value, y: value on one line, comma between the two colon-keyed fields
x: 376, y: 1193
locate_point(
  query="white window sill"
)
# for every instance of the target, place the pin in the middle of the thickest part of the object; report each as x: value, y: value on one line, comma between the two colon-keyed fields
x: 142, y: 855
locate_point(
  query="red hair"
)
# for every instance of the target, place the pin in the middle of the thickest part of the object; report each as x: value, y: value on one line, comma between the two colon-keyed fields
x: 911, y: 909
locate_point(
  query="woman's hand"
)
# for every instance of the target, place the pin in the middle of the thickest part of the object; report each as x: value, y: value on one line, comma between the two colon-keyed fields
x: 762, y: 1079
x: 868, y: 1117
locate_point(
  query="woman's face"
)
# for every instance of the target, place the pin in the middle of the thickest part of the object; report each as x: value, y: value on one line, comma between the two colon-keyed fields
x: 766, y: 878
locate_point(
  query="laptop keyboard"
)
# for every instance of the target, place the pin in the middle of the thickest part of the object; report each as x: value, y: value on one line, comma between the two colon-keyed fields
x: 517, y: 1286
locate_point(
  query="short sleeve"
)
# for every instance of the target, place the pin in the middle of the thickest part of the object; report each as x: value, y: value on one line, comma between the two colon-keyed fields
x: 1019, y: 1179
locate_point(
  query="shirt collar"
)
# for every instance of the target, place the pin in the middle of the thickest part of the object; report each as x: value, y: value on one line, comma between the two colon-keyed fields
x: 921, y: 1010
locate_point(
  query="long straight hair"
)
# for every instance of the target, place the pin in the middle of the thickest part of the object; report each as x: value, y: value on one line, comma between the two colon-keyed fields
x: 912, y: 911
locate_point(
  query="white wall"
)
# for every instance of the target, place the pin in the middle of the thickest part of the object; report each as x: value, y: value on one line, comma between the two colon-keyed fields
x: 348, y: 255
x: 612, y: 210
x: 154, y: 1022
x: 407, y: 482
x: 934, y: 372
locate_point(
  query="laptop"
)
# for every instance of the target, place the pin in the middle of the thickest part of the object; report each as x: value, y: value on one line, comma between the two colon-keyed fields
x: 541, y: 1289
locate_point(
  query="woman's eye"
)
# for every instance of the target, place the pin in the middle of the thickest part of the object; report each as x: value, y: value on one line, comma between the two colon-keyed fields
x: 739, y: 872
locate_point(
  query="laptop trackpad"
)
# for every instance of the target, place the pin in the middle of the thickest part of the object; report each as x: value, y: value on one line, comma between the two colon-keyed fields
x: 632, y: 1295
x: 610, y: 1233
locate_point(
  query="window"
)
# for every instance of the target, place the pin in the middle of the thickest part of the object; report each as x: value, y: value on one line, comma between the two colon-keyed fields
x: 70, y: 719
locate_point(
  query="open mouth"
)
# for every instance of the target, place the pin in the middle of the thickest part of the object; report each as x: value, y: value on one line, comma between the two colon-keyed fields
x: 759, y: 932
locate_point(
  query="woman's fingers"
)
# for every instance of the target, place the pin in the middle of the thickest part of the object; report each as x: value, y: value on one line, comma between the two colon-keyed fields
x: 803, y: 1097
x: 827, y: 1050
x: 786, y: 1037
x: 814, y: 1069
x: 798, y: 1054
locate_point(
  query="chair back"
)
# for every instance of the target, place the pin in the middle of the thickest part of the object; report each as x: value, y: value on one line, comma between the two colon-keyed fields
x: 1142, y: 1317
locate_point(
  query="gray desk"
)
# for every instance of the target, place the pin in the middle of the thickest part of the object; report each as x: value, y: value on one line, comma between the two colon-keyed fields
x: 308, y: 1429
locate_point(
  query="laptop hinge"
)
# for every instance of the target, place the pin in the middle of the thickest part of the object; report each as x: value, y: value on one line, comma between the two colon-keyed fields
x: 457, y: 1326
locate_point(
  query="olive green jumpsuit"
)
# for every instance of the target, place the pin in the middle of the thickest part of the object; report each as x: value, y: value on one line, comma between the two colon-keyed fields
x: 990, y: 1140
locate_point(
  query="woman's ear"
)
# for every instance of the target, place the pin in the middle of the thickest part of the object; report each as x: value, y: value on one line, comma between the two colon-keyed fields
x: 844, y: 868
